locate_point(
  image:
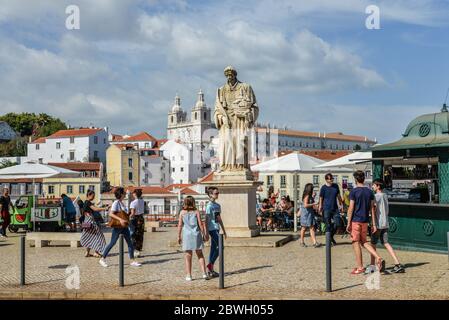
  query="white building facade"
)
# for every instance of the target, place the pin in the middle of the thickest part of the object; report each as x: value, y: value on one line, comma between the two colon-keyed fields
x: 73, y: 145
x: 267, y: 142
x: 155, y: 168
x: 185, y: 162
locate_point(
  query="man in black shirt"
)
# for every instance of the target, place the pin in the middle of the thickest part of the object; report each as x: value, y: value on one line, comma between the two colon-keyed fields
x: 5, y: 204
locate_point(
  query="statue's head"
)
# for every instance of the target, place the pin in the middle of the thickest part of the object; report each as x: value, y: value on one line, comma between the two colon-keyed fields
x: 230, y: 74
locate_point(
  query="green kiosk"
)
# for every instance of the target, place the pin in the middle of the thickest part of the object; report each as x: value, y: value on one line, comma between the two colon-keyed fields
x: 416, y: 173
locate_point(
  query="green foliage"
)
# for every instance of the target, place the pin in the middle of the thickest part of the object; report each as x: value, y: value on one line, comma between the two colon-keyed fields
x: 31, y: 124
x: 357, y: 147
x: 26, y: 125
x: 6, y: 163
x: 14, y: 148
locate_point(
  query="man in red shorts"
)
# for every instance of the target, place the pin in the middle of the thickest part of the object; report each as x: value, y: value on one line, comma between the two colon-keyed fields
x: 360, y: 205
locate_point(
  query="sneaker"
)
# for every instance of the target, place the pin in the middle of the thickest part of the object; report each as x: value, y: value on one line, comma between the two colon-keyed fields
x: 303, y: 245
x: 370, y: 269
x: 334, y: 243
x: 398, y: 268
x: 135, y: 264
x: 317, y: 245
x: 103, y: 263
x: 188, y: 278
x: 206, y: 276
x: 213, y: 274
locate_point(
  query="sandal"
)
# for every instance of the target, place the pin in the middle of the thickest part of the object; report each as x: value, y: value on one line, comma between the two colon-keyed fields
x: 358, y: 271
x: 381, y: 265
x: 88, y: 254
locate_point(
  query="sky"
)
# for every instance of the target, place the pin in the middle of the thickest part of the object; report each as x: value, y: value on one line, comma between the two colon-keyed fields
x: 313, y: 65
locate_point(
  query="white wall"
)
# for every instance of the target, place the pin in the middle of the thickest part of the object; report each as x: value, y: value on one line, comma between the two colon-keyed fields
x: 158, y: 171
x: 84, y: 148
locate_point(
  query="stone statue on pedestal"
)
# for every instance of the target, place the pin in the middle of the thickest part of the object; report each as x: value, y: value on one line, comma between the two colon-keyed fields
x: 236, y: 112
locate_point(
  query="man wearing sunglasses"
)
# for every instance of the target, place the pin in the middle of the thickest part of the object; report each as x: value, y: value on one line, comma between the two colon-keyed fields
x: 330, y: 201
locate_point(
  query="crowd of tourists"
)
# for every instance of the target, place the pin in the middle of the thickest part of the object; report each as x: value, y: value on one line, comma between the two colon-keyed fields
x: 358, y: 212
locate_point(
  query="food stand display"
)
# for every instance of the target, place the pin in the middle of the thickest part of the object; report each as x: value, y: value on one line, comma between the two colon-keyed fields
x: 416, y: 173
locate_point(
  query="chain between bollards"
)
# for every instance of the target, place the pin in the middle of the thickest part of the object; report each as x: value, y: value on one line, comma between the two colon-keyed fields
x: 121, y: 262
x: 221, y: 256
x: 328, y: 262
x: 22, y: 260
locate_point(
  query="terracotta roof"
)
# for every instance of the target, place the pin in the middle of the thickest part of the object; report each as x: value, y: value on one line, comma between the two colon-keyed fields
x: 160, y: 143
x: 152, y: 190
x: 39, y: 140
x: 124, y: 145
x: 141, y: 136
x: 189, y: 191
x: 78, y: 166
x: 326, y: 155
x: 117, y: 137
x: 178, y: 186
x: 74, y: 133
x: 307, y: 134
x: 21, y: 180
x: 208, y: 177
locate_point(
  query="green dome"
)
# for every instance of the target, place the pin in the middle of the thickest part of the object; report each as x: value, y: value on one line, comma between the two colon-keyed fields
x: 427, y: 130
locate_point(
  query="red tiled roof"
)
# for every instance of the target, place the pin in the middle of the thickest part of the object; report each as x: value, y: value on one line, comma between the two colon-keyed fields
x: 78, y: 166
x: 124, y: 145
x: 39, y: 140
x: 117, y: 137
x: 332, y: 135
x: 189, y: 191
x: 141, y: 136
x: 74, y: 133
x: 326, y: 155
x: 152, y: 190
x: 208, y: 177
x: 21, y: 180
x: 178, y: 186
x: 160, y: 143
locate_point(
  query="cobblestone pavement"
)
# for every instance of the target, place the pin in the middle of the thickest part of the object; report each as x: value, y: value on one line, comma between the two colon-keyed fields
x: 288, y: 272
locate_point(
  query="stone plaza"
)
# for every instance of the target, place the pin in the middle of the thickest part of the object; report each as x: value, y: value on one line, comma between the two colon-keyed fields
x: 256, y: 273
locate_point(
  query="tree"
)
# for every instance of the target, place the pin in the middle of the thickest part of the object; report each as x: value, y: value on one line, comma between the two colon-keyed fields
x: 28, y: 125
x: 6, y: 163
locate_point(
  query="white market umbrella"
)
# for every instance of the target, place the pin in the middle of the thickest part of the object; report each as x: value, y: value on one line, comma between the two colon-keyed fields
x: 348, y: 161
x: 292, y: 162
x: 31, y: 170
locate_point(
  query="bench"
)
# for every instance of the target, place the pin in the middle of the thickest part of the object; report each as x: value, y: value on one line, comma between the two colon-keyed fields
x: 41, y: 239
x: 152, y: 225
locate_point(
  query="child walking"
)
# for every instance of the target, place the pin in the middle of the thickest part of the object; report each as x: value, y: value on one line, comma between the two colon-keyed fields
x: 191, y: 232
x: 381, y: 202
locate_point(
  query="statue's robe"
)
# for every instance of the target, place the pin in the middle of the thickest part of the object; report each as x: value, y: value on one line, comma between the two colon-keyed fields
x: 232, y: 102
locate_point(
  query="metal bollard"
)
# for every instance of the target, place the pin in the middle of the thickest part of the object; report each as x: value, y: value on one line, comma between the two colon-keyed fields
x: 448, y: 245
x: 221, y: 256
x: 121, y: 262
x: 328, y: 262
x: 22, y: 260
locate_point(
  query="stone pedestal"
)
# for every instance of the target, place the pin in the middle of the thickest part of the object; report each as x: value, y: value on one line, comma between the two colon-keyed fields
x: 238, y: 202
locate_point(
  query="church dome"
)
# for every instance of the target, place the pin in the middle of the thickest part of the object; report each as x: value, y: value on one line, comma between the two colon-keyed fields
x: 177, y: 106
x: 200, y: 102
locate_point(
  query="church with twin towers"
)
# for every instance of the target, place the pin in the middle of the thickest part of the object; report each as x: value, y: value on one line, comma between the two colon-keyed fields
x: 267, y: 141
x: 196, y: 129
